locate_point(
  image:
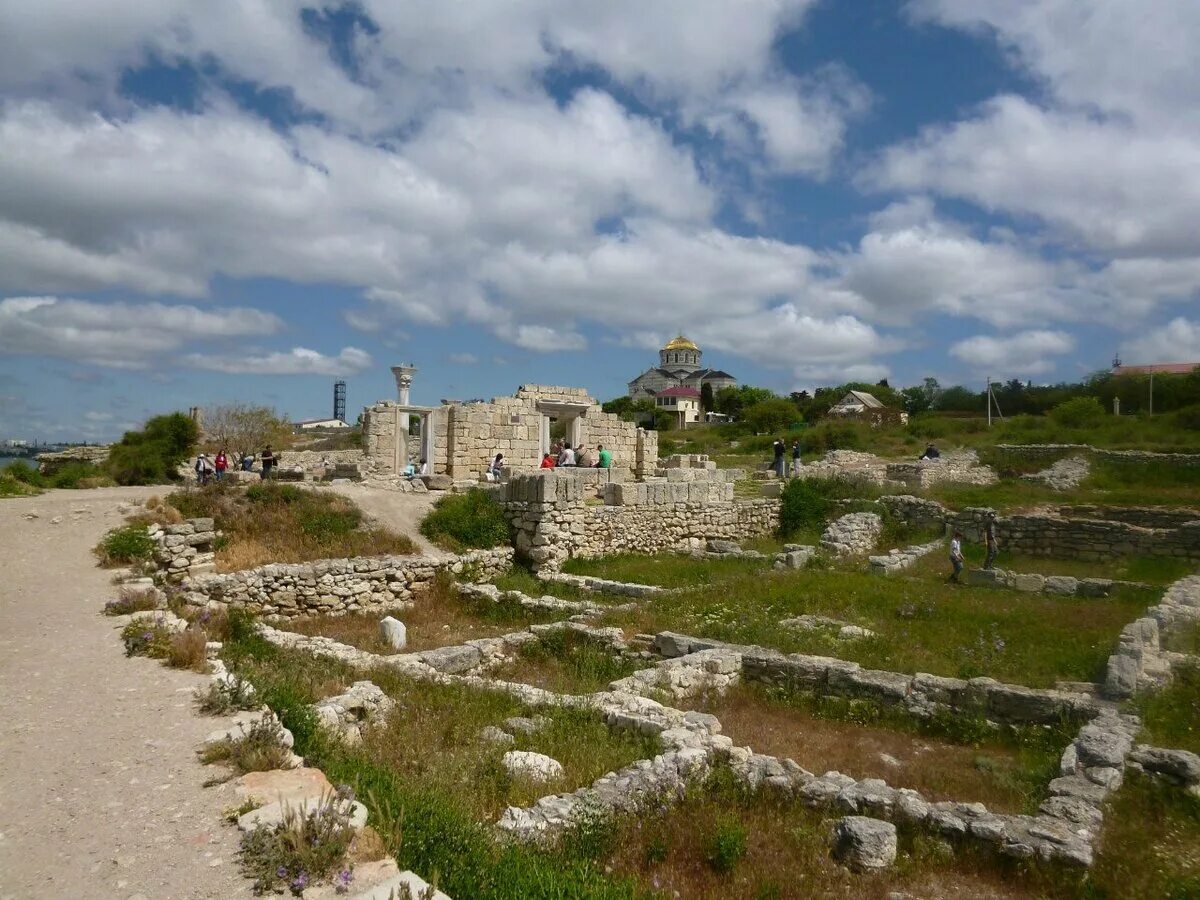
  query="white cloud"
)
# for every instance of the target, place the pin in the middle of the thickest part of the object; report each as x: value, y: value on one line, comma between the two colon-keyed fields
x: 1025, y: 353
x: 118, y: 335
x: 93, y: 416
x: 297, y: 361
x: 463, y: 359
x: 1178, y: 341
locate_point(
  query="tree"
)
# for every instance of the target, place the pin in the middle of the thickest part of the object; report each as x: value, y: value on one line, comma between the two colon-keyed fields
x: 732, y: 400
x: 1081, y: 412
x: 619, y: 406
x: 773, y: 415
x: 706, y: 397
x: 153, y: 455
x: 241, y: 429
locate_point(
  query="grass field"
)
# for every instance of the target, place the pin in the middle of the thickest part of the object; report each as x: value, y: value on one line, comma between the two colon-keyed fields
x: 921, y: 623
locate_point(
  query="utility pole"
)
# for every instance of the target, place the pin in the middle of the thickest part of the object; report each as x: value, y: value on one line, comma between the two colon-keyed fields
x: 989, y: 400
x: 1152, y: 392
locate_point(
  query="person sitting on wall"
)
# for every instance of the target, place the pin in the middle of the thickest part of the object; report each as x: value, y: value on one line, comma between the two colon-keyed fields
x: 267, y: 457
x: 410, y: 471
x: 424, y: 469
x: 547, y: 461
x: 931, y: 452
x: 584, y: 458
x: 605, y: 458
x: 247, y: 462
x: 495, y: 468
x: 566, y: 457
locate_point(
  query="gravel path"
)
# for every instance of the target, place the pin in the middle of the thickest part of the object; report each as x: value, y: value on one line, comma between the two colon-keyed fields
x: 100, y: 790
x: 400, y: 512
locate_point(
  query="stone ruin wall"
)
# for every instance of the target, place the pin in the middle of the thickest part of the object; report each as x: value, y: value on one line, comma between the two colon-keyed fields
x: 1051, y: 452
x: 339, y: 586
x: 467, y: 436
x: 552, y: 521
x: 1067, y: 534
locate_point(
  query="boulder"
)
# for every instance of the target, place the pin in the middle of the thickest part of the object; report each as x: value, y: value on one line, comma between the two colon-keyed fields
x: 438, y: 482
x: 490, y: 734
x: 393, y: 633
x: 274, y: 813
x: 533, y: 766
x: 282, y: 786
x: 865, y: 844
x: 525, y: 724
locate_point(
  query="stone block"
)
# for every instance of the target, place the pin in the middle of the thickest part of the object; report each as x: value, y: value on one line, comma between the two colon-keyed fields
x: 1062, y: 584
x: 452, y: 660
x: 865, y: 844
x: 985, y: 577
x: 1028, y: 582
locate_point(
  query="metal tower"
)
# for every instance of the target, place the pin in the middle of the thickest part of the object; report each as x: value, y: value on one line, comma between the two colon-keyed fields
x: 339, y: 400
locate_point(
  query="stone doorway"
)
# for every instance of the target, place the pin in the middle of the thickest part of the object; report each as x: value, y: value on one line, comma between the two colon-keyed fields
x: 561, y: 421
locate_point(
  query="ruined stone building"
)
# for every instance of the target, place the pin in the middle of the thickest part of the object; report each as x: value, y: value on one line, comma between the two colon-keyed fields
x: 460, y: 439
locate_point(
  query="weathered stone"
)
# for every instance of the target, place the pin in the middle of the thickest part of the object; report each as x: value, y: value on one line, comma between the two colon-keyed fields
x: 865, y: 844
x: 490, y: 734
x: 1180, y: 765
x: 452, y: 660
x: 274, y: 813
x: 533, y: 766
x: 393, y: 633
x: 282, y: 786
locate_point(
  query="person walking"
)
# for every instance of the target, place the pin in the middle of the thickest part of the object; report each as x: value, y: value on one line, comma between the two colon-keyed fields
x: 780, y: 447
x: 796, y: 459
x: 204, y: 469
x: 605, y: 458
x: 993, y: 546
x: 221, y: 463
x: 267, y: 458
x: 956, y: 557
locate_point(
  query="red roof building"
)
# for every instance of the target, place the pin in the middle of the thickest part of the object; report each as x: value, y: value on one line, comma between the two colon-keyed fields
x: 1158, y: 369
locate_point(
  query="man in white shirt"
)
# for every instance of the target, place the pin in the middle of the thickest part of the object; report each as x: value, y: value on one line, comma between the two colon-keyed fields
x: 567, y: 457
x: 956, y: 557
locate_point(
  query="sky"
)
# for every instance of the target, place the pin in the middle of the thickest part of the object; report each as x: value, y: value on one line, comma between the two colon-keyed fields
x: 246, y: 200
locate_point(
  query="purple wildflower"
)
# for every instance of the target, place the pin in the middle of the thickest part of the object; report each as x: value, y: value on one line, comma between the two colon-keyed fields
x: 300, y: 882
x: 341, y: 881
x: 281, y: 872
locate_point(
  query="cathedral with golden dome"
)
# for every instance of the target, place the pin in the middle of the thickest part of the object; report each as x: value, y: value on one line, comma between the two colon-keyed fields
x: 679, y: 367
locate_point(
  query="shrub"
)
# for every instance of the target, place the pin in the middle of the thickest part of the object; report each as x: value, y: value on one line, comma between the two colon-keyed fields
x: 125, y: 545
x: 146, y: 638
x: 129, y: 601
x: 1081, y: 412
x: 303, y: 849
x: 188, y: 650
x: 227, y: 695
x: 470, y: 520
x: 152, y: 455
x: 802, y: 506
x: 261, y: 749
x: 725, y: 846
x: 78, y: 475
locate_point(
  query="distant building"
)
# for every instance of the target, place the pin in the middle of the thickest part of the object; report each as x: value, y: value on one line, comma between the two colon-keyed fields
x: 1157, y: 369
x: 679, y: 366
x: 322, y: 423
x: 681, y: 402
x: 854, y: 403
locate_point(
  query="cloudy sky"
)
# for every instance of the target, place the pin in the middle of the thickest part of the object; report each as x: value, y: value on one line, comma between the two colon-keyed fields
x: 246, y: 199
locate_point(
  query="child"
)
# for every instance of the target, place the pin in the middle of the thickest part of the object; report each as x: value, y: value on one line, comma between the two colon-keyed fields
x: 956, y: 557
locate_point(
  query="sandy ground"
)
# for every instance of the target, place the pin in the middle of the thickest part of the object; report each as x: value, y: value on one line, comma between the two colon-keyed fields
x: 100, y: 790
x: 401, y: 513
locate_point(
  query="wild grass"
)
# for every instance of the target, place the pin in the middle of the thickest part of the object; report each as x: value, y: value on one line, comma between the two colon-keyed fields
x: 143, y: 637
x: 1110, y: 483
x: 665, y: 569
x: 1156, y: 570
x: 260, y: 749
x: 283, y: 523
x: 566, y: 662
x: 226, y: 696
x: 523, y: 580
x: 124, y: 545
x: 1171, y: 716
x: 439, y: 617
x: 188, y: 650
x: 131, y: 600
x: 22, y: 479
x: 473, y: 520
x: 921, y: 624
x: 946, y: 758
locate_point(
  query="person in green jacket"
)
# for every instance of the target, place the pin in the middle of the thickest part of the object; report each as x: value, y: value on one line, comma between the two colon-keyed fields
x: 605, y: 460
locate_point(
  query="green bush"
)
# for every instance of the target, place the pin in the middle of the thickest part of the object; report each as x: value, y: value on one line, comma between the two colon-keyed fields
x: 802, y: 506
x: 152, y: 455
x: 725, y: 846
x: 125, y: 545
x: 1081, y: 412
x: 471, y: 520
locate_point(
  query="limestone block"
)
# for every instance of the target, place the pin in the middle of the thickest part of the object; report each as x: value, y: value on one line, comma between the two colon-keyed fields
x: 1061, y: 584
x: 1028, y: 582
x: 865, y: 844
x: 282, y: 786
x: 452, y: 660
x: 393, y: 633
x: 274, y: 813
x: 533, y: 766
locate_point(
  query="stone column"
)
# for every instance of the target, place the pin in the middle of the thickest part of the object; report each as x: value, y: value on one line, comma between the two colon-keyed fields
x: 404, y: 379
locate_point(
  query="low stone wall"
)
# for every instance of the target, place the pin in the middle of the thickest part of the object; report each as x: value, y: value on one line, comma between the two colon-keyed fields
x: 184, y: 550
x: 1034, y: 583
x: 963, y: 469
x: 853, y: 534
x: 919, y: 694
x: 1141, y: 660
x: 339, y: 585
x: 1145, y: 516
x: 1051, y: 451
x: 899, y: 559
x: 314, y: 459
x: 552, y: 522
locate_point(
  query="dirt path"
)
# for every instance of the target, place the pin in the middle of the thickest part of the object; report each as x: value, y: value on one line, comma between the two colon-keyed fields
x: 400, y: 512
x: 100, y: 790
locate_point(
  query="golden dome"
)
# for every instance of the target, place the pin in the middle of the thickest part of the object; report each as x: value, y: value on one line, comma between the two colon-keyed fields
x: 681, y: 343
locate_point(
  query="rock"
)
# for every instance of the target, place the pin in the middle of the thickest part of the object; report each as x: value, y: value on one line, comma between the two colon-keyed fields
x: 855, y: 631
x: 282, y: 786
x: 366, y: 877
x: 1180, y: 765
x: 406, y: 884
x: 534, y: 766
x: 1061, y: 584
x: 393, y: 633
x: 865, y: 844
x: 57, y: 520
x: 452, y: 660
x: 274, y: 813
x: 490, y: 734
x: 715, y: 545
x: 438, y: 482
x: 1028, y: 582
x: 1100, y: 746
x: 525, y: 725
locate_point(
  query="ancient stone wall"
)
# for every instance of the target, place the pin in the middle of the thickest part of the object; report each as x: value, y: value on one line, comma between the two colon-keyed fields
x: 466, y: 437
x: 1055, y: 451
x: 339, y: 585
x: 184, y: 549
x: 552, y: 522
